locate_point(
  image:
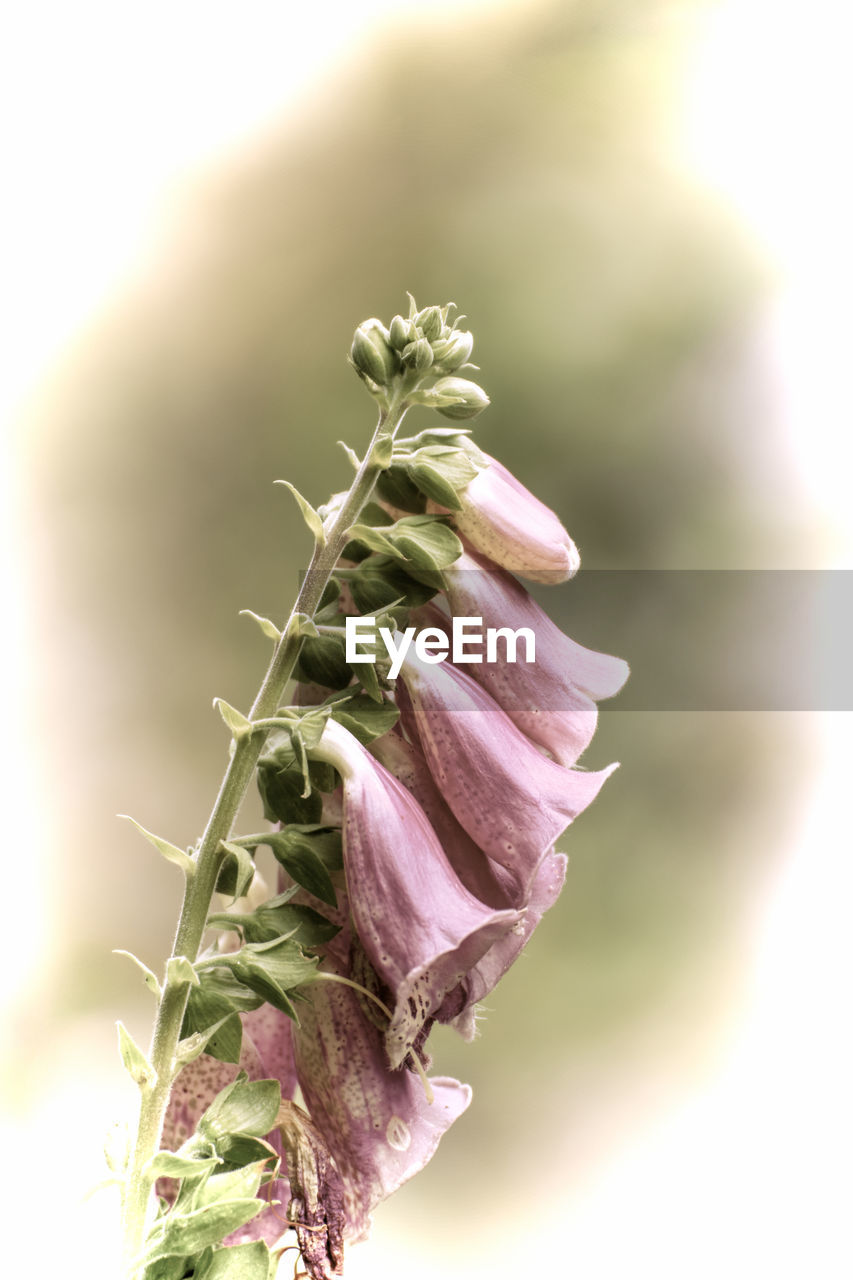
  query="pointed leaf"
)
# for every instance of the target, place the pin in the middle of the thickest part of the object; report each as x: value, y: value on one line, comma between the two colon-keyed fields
x: 300, y: 859
x: 183, y: 1234
x: 170, y: 852
x: 269, y: 628
x: 166, y: 1164
x: 135, y: 1062
x: 309, y: 515
x: 235, y: 720
x: 238, y: 870
x: 150, y: 978
x: 354, y: 459
x: 246, y: 1106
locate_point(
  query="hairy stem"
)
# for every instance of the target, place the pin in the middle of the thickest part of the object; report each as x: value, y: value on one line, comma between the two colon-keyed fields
x: 209, y: 856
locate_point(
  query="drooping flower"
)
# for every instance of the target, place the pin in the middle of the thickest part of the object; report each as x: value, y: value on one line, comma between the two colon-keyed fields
x: 552, y: 699
x: 378, y: 1123
x: 510, y: 798
x: 486, y: 879
x: 504, y: 520
x: 421, y: 928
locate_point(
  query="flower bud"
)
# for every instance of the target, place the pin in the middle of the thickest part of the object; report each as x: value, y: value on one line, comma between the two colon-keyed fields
x: 453, y: 351
x: 401, y: 332
x: 429, y: 322
x: 372, y: 354
x: 455, y: 398
x: 418, y: 355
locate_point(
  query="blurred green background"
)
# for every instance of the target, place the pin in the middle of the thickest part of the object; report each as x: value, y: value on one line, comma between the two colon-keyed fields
x: 519, y: 164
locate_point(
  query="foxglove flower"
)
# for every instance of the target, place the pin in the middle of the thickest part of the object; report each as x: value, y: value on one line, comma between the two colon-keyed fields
x: 510, y: 798
x: 479, y: 874
x: 552, y: 700
x: 507, y: 523
x: 421, y: 928
x: 378, y: 1123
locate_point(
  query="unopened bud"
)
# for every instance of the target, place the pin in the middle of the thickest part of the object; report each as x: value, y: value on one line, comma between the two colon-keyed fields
x: 401, y: 332
x: 417, y: 355
x: 458, y: 398
x: 372, y: 354
x: 453, y: 351
x: 429, y: 322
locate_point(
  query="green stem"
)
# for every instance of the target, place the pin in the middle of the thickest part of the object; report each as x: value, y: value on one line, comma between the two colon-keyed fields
x: 208, y: 858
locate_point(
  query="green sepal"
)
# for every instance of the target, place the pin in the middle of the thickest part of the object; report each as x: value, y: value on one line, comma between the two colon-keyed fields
x: 309, y: 515
x: 237, y: 871
x: 300, y: 853
x: 269, y: 629
x: 193, y: 1046
x: 426, y: 542
x: 271, y: 970
x: 251, y: 1261
x: 368, y: 678
x: 238, y: 1149
x: 365, y: 718
x: 276, y: 917
x: 281, y: 792
x: 184, y: 1234
x: 396, y: 488
x: 435, y: 486
x: 322, y: 661
x: 171, y: 1268
x: 170, y: 851
x: 135, y: 1062
x: 237, y: 723
x: 216, y: 1003
x: 235, y: 1184
x: 167, y: 1164
x: 380, y: 581
x: 244, y: 1106
x: 150, y: 978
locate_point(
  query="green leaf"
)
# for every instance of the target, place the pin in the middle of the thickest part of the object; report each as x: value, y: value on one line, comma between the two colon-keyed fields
x: 383, y: 451
x: 251, y: 1261
x: 281, y: 792
x: 322, y: 661
x: 172, y: 1268
x: 150, y: 978
x: 135, y: 1062
x: 374, y: 515
x: 194, y: 1045
x: 380, y: 581
x: 365, y: 718
x: 183, y: 1234
x: 273, y: 969
x: 179, y: 972
x: 237, y: 1149
x: 396, y: 488
x: 237, y: 870
x: 170, y: 852
x: 236, y: 1184
x: 216, y: 1002
x: 166, y: 1164
x: 309, y: 515
x: 239, y: 726
x: 297, y: 854
x: 355, y: 461
x: 426, y: 542
x: 276, y: 918
x: 244, y: 1106
x: 269, y: 629
x: 430, y: 481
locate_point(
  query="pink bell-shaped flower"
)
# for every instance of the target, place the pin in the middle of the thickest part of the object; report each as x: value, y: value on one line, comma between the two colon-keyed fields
x: 511, y: 799
x: 379, y: 1124
x: 552, y: 699
x: 421, y: 928
x: 487, y: 880
x: 504, y: 520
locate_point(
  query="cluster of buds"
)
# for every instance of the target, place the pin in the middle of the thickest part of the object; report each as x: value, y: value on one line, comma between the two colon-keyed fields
x: 415, y: 807
x: 421, y: 353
